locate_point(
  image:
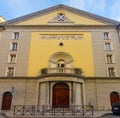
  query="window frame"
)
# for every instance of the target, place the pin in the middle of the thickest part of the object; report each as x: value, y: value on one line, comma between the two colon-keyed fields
x: 108, y: 60
x: 7, y: 71
x: 15, y: 35
x: 114, y: 71
x: 107, y: 36
x: 12, y: 58
x: 14, y: 47
x: 108, y: 47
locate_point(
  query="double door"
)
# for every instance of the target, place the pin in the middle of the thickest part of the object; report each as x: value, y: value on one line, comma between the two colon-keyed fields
x: 61, y: 95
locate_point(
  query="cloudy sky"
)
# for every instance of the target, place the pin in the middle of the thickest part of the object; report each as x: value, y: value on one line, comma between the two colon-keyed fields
x: 10, y: 9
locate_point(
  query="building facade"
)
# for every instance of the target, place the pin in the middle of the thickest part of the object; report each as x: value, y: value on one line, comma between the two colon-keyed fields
x: 59, y: 56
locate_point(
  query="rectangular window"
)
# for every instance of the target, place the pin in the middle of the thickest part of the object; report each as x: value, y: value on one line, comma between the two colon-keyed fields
x: 111, y: 72
x: 12, y: 58
x: 10, y: 71
x: 106, y: 35
x: 16, y: 35
x: 108, y: 46
x: 109, y: 58
x: 14, y: 46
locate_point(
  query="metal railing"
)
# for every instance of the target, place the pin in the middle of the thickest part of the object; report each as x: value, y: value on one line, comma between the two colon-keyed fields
x: 48, y: 110
x: 61, y: 70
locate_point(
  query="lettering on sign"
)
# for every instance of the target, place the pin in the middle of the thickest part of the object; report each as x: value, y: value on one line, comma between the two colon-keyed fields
x: 61, y: 36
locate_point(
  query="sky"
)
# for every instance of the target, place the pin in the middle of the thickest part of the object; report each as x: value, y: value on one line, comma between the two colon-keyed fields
x: 11, y: 9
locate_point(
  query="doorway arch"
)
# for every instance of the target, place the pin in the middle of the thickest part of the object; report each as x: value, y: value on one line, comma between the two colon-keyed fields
x: 60, y: 95
x: 7, y: 99
x: 114, y: 97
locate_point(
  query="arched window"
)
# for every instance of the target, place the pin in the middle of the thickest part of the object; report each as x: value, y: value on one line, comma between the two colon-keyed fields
x: 61, y: 63
x: 61, y: 59
x: 114, y: 97
x: 7, y: 99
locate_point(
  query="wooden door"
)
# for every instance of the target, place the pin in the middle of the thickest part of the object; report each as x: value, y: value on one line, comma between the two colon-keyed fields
x: 7, y: 99
x: 61, y: 95
x: 114, y: 97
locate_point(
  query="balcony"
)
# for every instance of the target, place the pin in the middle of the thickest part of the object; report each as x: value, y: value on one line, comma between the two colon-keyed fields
x: 61, y: 72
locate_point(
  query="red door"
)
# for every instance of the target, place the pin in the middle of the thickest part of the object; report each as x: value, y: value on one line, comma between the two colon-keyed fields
x: 61, y: 95
x: 7, y: 99
x: 114, y: 97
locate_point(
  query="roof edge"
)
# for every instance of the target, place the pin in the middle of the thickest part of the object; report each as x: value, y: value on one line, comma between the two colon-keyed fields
x: 72, y: 9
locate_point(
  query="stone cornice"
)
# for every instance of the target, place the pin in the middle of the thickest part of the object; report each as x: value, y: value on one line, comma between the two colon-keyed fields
x: 61, y: 26
x: 68, y: 75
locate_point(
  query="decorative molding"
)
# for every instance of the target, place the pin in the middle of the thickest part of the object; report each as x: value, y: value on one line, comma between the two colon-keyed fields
x: 61, y: 36
x: 60, y: 19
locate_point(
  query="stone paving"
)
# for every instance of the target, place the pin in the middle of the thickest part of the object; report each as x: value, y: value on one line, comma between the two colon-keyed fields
x: 97, y: 114
x: 2, y: 115
x: 110, y: 115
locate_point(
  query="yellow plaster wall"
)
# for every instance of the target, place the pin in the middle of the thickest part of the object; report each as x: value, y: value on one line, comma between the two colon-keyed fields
x: 45, y: 18
x: 41, y: 50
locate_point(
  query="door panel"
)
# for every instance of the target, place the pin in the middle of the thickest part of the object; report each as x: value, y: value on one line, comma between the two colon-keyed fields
x: 7, y: 99
x: 61, y: 96
x: 114, y: 97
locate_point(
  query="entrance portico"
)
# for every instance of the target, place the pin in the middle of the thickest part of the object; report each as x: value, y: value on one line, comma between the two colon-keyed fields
x: 60, y: 91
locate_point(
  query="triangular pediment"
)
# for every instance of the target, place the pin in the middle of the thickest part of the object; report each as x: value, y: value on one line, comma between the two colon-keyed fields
x: 50, y: 16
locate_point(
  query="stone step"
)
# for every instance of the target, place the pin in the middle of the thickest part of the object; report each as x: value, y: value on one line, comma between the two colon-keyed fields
x: 55, y: 117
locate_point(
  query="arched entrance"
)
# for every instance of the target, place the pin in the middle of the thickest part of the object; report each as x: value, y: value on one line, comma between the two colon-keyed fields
x: 7, y: 99
x: 60, y: 95
x: 114, y: 97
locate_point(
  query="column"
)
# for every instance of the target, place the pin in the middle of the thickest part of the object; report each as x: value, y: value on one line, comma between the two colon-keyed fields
x: 42, y: 94
x: 47, y: 93
x: 78, y: 94
x: 73, y: 92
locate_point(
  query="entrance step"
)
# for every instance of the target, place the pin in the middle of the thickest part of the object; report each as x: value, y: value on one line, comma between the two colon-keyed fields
x: 57, y: 117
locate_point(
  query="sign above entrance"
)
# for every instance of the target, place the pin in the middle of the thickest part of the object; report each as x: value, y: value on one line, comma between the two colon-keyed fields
x: 61, y: 36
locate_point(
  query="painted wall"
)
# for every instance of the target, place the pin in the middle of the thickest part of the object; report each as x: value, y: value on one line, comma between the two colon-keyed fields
x: 41, y: 50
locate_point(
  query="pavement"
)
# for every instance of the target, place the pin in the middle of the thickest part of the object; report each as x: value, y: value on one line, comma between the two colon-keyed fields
x: 2, y: 115
x: 97, y: 114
